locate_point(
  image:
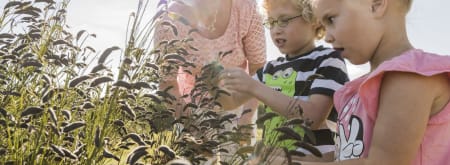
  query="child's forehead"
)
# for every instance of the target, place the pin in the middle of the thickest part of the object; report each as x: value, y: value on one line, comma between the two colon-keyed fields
x: 273, y: 4
x: 282, y: 6
x: 282, y: 13
x: 323, y: 3
x: 320, y: 6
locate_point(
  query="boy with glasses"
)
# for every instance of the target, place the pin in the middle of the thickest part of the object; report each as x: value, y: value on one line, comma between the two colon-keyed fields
x: 283, y: 84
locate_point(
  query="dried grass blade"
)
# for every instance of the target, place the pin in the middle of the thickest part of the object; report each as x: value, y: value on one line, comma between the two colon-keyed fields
x: 73, y: 126
x: 11, y: 4
x: 98, y: 68
x: 125, y: 107
x: 265, y: 117
x: 7, y: 36
x: 31, y: 63
x: 106, y: 53
x: 309, y: 148
x: 31, y: 111
x: 97, y: 141
x: 135, y: 137
x: 80, y: 33
x: 294, y: 122
x: 139, y: 85
x: 77, y: 80
x: 57, y: 150
x: 174, y: 56
x: 167, y: 151
x: 101, y: 80
x: 61, y: 42
x: 3, y: 112
x: 136, y: 154
x: 108, y: 154
x: 69, y: 154
x: 124, y: 84
x: 67, y: 115
x: 289, y: 132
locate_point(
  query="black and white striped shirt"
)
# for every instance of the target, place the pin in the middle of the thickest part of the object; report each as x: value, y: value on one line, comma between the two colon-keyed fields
x: 324, y: 61
x: 290, y: 76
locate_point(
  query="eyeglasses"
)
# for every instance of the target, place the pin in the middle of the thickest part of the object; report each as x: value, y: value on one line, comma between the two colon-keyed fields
x: 282, y: 22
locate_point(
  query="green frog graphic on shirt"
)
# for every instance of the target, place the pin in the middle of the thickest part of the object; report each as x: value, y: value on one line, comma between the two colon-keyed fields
x: 284, y: 82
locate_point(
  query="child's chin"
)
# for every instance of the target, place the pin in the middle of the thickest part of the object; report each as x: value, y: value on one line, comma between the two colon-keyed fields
x: 283, y: 51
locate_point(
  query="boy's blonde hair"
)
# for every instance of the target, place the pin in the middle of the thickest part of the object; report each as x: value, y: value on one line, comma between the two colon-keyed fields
x: 305, y: 8
x: 408, y: 4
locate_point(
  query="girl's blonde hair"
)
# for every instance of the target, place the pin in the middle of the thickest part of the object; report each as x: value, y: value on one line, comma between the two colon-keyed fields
x: 305, y: 8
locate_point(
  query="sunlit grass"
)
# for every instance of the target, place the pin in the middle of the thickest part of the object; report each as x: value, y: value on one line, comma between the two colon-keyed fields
x: 61, y: 104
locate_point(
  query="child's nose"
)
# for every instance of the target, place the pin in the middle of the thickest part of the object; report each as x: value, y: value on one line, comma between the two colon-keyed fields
x: 329, y: 38
x: 276, y: 29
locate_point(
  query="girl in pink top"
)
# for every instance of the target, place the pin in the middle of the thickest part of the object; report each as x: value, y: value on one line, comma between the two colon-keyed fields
x: 360, y: 112
x: 399, y: 113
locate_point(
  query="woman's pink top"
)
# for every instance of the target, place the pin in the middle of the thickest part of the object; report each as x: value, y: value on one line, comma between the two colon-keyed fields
x: 357, y: 105
x: 244, y: 36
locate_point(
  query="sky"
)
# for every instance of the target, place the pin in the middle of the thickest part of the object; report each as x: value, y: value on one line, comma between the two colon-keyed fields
x: 427, y: 25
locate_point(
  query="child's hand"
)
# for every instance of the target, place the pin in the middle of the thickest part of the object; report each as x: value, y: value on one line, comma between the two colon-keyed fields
x: 236, y: 80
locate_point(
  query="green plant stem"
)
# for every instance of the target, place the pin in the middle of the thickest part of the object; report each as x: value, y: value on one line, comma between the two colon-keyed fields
x: 109, y: 107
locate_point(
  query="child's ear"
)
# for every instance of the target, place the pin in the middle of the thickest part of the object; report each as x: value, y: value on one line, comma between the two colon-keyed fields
x: 318, y: 28
x: 316, y: 24
x: 379, y: 7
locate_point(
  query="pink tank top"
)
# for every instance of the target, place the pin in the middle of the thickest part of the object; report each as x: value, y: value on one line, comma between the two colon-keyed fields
x: 357, y: 105
x: 244, y: 36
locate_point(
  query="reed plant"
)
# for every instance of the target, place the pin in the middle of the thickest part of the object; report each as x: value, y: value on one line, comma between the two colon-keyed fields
x: 61, y: 102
